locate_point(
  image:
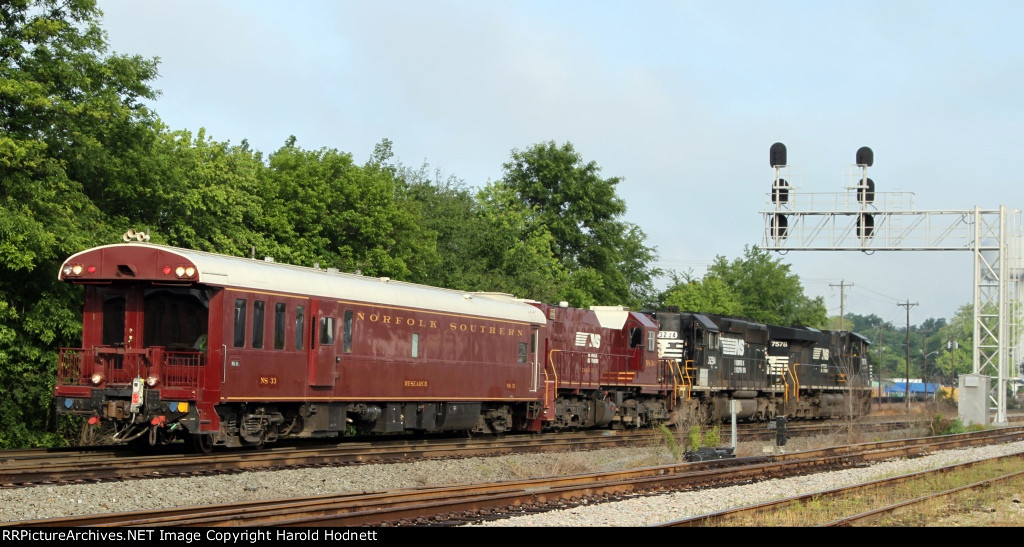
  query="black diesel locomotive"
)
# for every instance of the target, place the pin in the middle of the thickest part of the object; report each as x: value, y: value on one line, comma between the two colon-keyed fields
x: 768, y: 370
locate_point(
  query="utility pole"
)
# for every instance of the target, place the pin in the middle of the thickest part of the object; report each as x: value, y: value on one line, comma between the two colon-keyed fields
x: 924, y: 362
x: 908, y: 305
x: 881, y: 383
x: 842, y: 301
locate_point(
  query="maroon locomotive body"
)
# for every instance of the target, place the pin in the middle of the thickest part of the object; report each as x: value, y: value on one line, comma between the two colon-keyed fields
x: 180, y: 344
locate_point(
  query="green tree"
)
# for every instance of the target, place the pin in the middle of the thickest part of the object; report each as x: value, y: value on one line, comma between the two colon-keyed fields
x: 191, y: 191
x: 956, y: 347
x: 606, y: 258
x: 336, y: 213
x: 487, y: 241
x: 66, y: 109
x: 513, y: 254
x: 450, y: 212
x: 708, y: 295
x: 770, y: 293
x: 756, y: 286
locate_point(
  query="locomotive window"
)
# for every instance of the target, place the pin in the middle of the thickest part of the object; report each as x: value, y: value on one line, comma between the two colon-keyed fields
x: 346, y: 341
x: 257, y: 323
x: 652, y: 341
x: 712, y: 340
x: 522, y: 353
x: 326, y: 330
x: 239, y: 323
x: 415, y: 344
x: 300, y: 320
x: 635, y: 337
x: 280, y: 312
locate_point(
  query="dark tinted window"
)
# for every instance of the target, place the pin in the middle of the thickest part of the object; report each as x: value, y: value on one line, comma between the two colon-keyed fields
x: 257, y: 323
x: 239, y: 340
x: 280, y: 314
x: 326, y: 330
x: 347, y: 337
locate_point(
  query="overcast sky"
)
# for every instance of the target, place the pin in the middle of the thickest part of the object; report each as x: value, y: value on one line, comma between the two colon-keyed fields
x: 681, y: 99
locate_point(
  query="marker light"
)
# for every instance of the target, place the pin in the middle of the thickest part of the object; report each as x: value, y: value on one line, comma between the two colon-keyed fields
x: 182, y: 271
x: 96, y: 378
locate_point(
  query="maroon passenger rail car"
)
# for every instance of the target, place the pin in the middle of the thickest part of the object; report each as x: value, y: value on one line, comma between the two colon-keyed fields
x: 180, y: 344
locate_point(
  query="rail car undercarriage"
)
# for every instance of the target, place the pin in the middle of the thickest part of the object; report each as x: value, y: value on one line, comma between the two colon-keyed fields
x: 254, y: 425
x: 701, y: 407
x: 157, y: 423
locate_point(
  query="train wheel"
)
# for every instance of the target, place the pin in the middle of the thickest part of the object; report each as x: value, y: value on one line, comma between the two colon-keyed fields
x: 258, y: 444
x: 201, y: 444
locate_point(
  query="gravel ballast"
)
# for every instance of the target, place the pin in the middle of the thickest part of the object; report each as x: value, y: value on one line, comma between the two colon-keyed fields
x: 40, y: 502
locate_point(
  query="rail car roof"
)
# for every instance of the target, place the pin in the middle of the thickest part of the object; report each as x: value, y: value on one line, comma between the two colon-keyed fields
x: 146, y: 261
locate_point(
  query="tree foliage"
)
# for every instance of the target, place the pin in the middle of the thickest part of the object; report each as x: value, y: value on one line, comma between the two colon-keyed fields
x: 707, y: 295
x: 605, y: 257
x: 756, y: 286
x: 68, y: 111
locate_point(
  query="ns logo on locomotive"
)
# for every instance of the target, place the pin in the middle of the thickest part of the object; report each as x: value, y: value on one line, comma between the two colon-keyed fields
x: 217, y: 350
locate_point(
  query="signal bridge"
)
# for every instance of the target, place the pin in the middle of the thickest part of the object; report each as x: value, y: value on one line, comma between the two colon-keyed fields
x: 861, y: 219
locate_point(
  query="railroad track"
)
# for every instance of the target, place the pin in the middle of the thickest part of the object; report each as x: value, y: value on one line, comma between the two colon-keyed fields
x: 875, y: 502
x: 453, y: 505
x: 23, y: 468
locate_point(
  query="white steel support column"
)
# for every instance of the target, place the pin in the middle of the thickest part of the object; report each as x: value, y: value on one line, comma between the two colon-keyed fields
x: 829, y: 222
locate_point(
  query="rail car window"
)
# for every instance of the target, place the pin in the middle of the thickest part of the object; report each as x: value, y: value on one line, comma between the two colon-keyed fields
x: 415, y: 344
x: 346, y: 341
x: 257, y: 323
x: 522, y: 353
x: 175, y: 318
x: 327, y: 330
x: 280, y: 312
x: 300, y: 325
x: 239, y: 340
